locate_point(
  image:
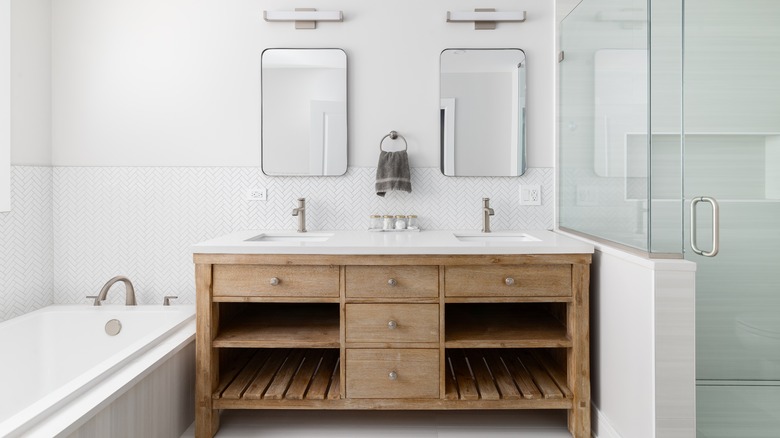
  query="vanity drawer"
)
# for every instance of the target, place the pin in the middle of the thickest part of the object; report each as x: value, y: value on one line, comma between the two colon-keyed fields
x: 392, y: 322
x: 392, y: 281
x: 508, y: 281
x: 392, y: 373
x: 275, y: 281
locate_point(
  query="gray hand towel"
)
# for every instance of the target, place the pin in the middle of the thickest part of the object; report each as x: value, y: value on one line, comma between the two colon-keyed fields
x: 392, y: 172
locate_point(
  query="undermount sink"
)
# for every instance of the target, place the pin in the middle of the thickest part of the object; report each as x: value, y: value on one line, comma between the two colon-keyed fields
x: 496, y: 237
x: 290, y: 237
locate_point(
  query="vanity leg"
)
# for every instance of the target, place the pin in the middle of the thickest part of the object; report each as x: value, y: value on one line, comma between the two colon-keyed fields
x: 206, y: 357
x: 578, y: 357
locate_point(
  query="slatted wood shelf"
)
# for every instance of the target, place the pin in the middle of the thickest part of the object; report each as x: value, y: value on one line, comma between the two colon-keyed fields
x: 281, y: 374
x: 504, y: 374
x: 503, y: 326
x: 282, y: 325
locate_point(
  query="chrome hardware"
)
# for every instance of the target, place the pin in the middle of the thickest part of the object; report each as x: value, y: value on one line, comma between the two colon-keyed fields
x: 274, y: 281
x: 167, y: 299
x: 300, y: 212
x: 393, y: 135
x: 509, y: 281
x: 486, y: 213
x: 113, y: 327
x: 96, y: 302
x: 393, y: 375
x: 392, y: 325
x: 715, y: 226
x: 129, y: 291
x: 392, y: 282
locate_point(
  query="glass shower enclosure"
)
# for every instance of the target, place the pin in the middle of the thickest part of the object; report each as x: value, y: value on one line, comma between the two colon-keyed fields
x: 668, y: 108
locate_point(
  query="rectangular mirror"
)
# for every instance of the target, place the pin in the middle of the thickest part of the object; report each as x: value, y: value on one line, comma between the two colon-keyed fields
x: 482, y: 116
x: 304, y: 112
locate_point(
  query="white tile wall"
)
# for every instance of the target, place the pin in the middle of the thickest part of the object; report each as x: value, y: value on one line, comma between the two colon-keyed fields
x: 26, y: 243
x: 141, y: 221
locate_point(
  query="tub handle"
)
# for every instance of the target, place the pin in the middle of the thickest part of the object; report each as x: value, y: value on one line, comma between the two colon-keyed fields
x: 96, y: 301
x: 167, y: 299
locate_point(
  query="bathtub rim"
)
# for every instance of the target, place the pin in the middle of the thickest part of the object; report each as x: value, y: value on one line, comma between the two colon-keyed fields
x: 72, y: 404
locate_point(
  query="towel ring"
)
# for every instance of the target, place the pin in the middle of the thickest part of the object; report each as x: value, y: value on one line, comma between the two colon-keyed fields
x: 393, y: 135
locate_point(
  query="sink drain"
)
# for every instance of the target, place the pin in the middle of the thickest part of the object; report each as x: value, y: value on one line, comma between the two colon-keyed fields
x: 113, y: 327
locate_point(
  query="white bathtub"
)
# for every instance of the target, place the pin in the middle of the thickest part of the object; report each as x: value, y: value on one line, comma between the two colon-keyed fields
x: 59, y: 367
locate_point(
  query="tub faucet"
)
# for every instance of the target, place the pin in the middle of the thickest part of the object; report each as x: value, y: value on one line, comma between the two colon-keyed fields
x: 129, y: 291
x: 486, y: 213
x: 301, y: 213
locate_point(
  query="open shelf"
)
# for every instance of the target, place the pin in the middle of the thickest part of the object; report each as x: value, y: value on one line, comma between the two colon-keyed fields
x: 282, y: 325
x: 504, y: 374
x: 503, y: 326
x: 281, y: 374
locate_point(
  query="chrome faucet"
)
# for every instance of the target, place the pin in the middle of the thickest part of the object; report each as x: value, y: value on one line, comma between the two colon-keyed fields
x: 129, y: 291
x: 486, y: 213
x: 301, y: 213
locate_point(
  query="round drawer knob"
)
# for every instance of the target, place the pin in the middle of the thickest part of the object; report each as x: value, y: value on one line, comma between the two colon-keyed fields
x: 392, y: 375
x: 392, y: 282
x: 274, y: 281
x: 509, y: 281
x: 392, y: 325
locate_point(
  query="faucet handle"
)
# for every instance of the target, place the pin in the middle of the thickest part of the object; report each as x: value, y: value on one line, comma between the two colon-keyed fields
x: 96, y: 301
x: 167, y: 299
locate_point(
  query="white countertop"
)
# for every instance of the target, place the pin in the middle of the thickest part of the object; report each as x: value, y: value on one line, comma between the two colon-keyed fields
x: 422, y: 242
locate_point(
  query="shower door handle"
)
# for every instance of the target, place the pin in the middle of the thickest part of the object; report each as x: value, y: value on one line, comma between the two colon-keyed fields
x: 715, y: 226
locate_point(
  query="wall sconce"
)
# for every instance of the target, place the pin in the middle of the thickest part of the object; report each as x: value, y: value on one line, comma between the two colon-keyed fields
x: 485, y: 18
x: 304, y: 18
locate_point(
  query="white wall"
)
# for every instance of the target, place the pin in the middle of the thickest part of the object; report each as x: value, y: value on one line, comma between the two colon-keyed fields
x: 176, y: 83
x: 26, y: 231
x: 31, y: 82
x: 642, y: 346
x: 5, y: 107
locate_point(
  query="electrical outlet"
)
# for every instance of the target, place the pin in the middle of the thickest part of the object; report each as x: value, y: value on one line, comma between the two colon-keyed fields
x: 530, y: 194
x: 257, y: 194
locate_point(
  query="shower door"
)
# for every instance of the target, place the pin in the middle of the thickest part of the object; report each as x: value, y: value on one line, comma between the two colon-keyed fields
x: 731, y: 88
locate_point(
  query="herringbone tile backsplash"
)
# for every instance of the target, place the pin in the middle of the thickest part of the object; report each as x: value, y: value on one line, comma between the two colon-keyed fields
x: 26, y: 243
x: 141, y: 221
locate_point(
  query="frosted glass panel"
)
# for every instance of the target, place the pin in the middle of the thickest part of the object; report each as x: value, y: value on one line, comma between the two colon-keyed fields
x: 732, y: 153
x: 603, y: 121
x: 621, y: 123
x: 744, y: 412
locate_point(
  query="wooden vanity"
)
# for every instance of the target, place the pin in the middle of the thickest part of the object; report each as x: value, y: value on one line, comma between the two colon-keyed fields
x: 391, y: 331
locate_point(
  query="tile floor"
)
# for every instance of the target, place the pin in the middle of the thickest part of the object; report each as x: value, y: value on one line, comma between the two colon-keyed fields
x: 391, y: 424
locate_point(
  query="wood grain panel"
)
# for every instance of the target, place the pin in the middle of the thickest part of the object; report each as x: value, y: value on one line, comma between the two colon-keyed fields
x: 206, y: 357
x: 293, y: 281
x: 491, y: 281
x: 282, y: 325
x: 392, y: 281
x: 503, y: 326
x: 368, y: 373
x: 414, y: 323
